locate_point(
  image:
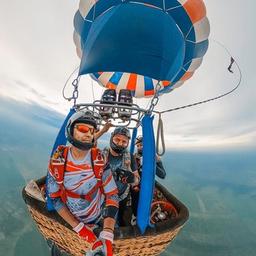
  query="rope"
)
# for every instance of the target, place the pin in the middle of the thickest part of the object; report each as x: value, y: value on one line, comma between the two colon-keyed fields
x: 160, y: 136
x: 232, y: 62
x: 92, y: 90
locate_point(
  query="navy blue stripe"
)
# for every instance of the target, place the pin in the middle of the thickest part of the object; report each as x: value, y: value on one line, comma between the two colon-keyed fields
x: 90, y: 14
x: 192, y: 51
x: 179, y: 76
x: 82, y: 27
x: 183, y: 21
x: 157, y: 3
x: 103, y: 5
x: 96, y: 75
x: 166, y: 89
x: 187, y: 65
x: 115, y: 78
x: 172, y: 4
x: 195, y: 50
x: 148, y: 83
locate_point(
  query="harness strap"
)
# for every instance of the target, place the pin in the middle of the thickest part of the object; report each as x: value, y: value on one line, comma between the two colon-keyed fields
x: 98, y: 165
x: 57, y: 168
x: 64, y: 193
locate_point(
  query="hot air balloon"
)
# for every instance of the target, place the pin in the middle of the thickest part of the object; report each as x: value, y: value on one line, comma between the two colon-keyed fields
x: 147, y: 48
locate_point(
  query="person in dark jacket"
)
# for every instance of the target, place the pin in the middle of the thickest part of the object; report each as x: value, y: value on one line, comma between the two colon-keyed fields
x: 160, y: 172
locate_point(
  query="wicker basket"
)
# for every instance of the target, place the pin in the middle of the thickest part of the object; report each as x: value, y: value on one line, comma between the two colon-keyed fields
x: 128, y: 240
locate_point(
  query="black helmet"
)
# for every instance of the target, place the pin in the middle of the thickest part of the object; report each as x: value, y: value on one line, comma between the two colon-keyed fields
x: 138, y: 139
x: 123, y: 131
x: 85, y: 117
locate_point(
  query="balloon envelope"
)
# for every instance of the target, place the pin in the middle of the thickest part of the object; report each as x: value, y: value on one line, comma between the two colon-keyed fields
x: 135, y: 44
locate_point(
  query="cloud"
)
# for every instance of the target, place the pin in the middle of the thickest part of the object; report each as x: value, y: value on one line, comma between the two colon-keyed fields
x: 36, y: 60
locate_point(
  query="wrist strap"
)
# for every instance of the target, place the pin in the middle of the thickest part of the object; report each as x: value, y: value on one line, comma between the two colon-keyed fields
x: 107, y: 236
x: 110, y: 229
x: 79, y: 227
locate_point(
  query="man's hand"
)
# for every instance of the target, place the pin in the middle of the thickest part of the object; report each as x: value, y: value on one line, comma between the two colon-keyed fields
x: 103, y: 245
x: 125, y: 176
x: 106, y: 126
x: 85, y: 232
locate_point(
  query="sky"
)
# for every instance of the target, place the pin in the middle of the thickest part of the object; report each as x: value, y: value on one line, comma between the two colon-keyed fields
x: 37, y: 54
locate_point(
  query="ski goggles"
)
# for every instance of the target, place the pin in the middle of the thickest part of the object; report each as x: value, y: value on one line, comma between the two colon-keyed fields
x: 84, y: 128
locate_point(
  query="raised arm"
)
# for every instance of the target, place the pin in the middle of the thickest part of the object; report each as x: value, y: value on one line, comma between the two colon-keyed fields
x: 105, y: 129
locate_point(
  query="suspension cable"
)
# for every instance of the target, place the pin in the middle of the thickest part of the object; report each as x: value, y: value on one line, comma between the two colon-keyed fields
x: 93, y: 95
x: 232, y: 62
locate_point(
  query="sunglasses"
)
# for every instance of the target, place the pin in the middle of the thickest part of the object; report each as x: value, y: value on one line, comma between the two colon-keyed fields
x: 84, y: 128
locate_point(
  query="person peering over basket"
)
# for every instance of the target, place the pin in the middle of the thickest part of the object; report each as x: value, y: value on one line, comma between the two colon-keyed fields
x: 124, y: 168
x: 160, y: 172
x: 81, y: 185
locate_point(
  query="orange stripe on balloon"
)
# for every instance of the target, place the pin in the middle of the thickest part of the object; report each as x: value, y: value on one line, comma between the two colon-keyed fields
x: 110, y: 85
x: 149, y: 93
x: 166, y: 83
x: 186, y: 76
x: 195, y: 9
x: 131, y: 84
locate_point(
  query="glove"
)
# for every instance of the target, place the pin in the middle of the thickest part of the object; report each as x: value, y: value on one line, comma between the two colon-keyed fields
x: 85, y: 232
x: 125, y: 176
x: 103, y: 245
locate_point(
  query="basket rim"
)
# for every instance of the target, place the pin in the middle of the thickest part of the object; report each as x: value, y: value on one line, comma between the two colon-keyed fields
x: 121, y: 232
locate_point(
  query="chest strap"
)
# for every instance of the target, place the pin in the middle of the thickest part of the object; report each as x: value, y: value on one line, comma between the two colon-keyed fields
x: 57, y: 169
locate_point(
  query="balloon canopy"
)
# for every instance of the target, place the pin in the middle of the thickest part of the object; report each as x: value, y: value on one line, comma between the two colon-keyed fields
x: 135, y: 44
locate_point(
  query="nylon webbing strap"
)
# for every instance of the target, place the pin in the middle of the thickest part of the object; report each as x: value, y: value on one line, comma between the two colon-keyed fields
x: 60, y: 140
x: 134, y: 135
x: 148, y: 174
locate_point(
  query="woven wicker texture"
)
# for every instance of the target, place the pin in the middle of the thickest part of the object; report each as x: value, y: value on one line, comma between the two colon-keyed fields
x: 74, y: 245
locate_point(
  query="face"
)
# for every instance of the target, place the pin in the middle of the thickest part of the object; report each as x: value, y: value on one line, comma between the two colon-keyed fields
x: 121, y: 140
x: 84, y: 132
x: 139, y: 146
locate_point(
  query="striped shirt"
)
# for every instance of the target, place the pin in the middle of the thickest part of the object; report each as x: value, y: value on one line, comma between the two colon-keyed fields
x: 79, y: 178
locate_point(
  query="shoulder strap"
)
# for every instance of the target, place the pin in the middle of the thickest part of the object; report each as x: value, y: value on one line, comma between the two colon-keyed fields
x: 58, y: 163
x: 105, y: 153
x: 98, y: 163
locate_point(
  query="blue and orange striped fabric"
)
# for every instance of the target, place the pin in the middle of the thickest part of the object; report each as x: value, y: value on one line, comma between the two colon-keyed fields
x: 192, y: 27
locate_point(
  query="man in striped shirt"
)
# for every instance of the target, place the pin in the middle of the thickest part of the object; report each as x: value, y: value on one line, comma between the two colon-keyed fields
x: 81, y: 185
